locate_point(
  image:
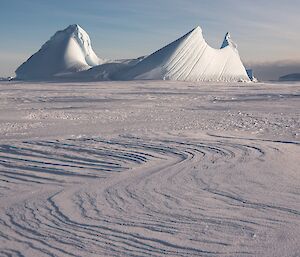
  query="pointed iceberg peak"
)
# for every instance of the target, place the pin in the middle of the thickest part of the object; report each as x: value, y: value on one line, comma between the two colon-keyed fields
x: 196, y: 31
x: 74, y: 28
x: 68, y: 50
x: 228, y: 42
x: 70, y: 30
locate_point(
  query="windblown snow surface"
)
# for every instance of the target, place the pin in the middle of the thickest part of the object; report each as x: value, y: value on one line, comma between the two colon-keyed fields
x: 149, y: 168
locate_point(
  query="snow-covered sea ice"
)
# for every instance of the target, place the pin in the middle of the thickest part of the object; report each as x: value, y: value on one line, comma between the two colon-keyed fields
x: 149, y: 168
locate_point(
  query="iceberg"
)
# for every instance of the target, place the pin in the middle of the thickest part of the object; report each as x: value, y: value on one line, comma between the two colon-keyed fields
x: 69, y: 50
x: 190, y: 58
x: 68, y: 55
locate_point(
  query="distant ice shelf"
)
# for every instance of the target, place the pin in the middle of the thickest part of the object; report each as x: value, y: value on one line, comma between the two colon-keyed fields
x: 290, y: 77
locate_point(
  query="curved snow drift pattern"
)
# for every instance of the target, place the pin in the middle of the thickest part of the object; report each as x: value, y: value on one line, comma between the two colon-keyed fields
x: 165, y: 208
x: 189, y: 58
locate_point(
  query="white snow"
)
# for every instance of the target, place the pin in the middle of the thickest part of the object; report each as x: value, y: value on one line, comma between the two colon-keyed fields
x: 110, y: 70
x: 68, y: 54
x: 190, y: 58
x: 149, y: 168
x: 67, y: 51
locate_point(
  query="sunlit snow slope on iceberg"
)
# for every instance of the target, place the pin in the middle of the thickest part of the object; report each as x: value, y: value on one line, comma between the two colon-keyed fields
x: 68, y: 50
x: 190, y: 58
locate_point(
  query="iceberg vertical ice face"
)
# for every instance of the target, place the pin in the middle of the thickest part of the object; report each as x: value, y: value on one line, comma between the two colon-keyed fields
x: 190, y: 58
x: 68, y: 50
x: 228, y: 42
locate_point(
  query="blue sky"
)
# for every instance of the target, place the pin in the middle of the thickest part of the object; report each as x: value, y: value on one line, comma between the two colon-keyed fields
x: 265, y: 30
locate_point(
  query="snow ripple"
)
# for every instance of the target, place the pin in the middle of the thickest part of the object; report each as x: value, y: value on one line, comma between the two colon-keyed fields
x: 139, y: 197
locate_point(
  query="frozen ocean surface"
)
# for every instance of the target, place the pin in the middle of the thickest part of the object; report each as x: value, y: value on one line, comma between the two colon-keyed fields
x: 149, y: 168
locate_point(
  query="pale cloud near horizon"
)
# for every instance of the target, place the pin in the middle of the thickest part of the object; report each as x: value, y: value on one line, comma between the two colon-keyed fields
x: 9, y: 61
x: 273, y: 70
